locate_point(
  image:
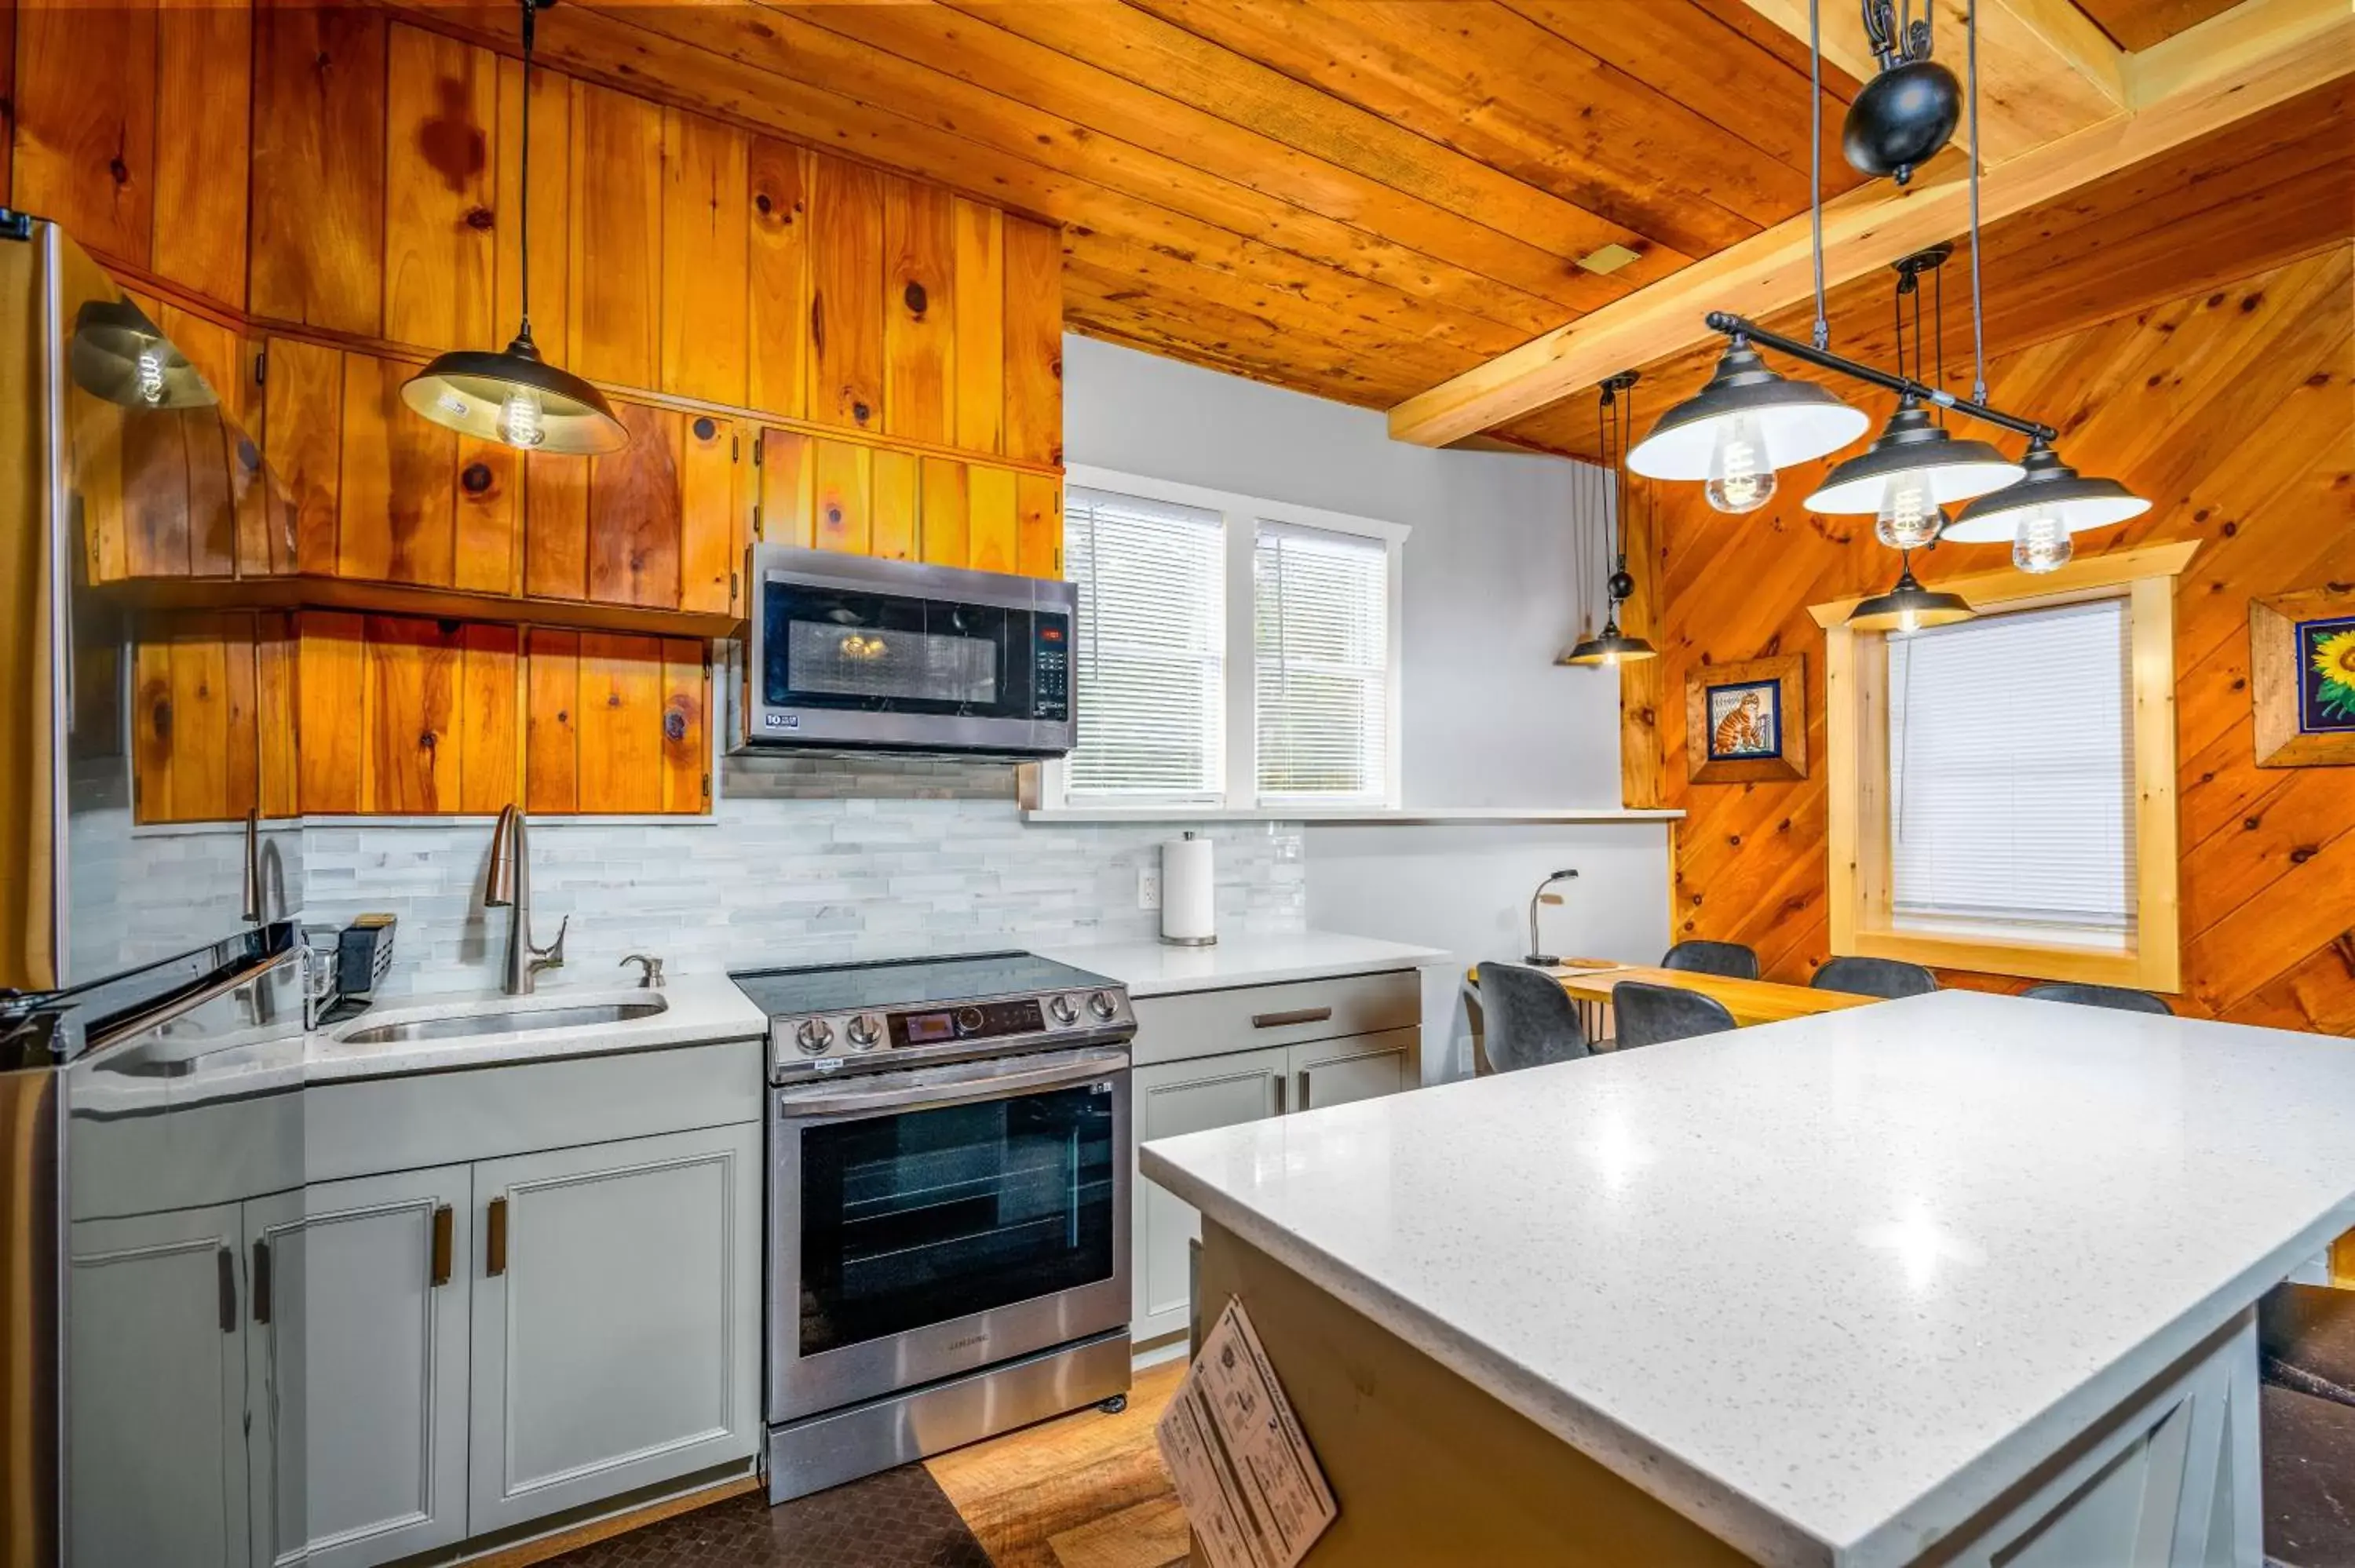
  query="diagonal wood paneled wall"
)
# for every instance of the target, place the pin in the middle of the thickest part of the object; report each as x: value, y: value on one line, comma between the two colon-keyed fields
x: 2234, y: 408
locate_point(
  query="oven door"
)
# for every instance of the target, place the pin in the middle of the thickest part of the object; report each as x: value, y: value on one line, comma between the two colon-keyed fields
x: 924, y: 1224
x: 848, y: 650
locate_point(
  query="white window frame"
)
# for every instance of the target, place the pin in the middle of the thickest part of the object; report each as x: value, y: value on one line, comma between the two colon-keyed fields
x: 1242, y: 516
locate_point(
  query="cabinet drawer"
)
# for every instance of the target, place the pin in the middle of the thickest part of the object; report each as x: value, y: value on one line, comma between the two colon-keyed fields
x: 1212, y: 1023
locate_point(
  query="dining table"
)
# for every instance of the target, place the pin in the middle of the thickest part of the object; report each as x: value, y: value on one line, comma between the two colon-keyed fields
x: 1750, y: 1001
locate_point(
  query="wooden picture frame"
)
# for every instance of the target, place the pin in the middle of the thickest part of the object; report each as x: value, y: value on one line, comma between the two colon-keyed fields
x: 2305, y: 718
x: 1774, y: 691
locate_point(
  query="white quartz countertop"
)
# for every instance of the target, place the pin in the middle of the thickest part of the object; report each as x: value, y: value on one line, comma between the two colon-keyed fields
x: 1824, y: 1286
x: 695, y: 1010
x: 1158, y: 969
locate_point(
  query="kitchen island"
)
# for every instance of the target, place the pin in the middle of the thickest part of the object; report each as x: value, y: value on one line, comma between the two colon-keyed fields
x: 1957, y: 1278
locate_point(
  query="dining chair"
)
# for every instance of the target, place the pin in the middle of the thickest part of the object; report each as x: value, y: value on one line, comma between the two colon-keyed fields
x: 1529, y: 1020
x: 2117, y: 997
x: 1649, y: 1014
x: 1730, y: 959
x: 1885, y: 977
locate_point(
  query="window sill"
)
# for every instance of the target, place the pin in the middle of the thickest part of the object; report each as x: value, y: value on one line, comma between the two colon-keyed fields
x: 1408, y: 815
x: 2155, y: 971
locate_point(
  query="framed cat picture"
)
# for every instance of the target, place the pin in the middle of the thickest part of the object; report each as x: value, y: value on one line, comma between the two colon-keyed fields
x: 2302, y: 677
x: 1748, y: 722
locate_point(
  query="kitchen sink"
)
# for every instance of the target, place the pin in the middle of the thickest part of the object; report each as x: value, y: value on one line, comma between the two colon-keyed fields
x: 504, y: 1021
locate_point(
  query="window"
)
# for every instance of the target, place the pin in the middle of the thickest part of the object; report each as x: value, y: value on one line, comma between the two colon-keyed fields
x: 2001, y: 791
x: 1232, y: 652
x: 1321, y: 664
x: 2012, y: 777
x: 1151, y: 657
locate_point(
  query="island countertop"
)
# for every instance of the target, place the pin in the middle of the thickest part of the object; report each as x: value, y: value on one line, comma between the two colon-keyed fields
x: 1824, y: 1286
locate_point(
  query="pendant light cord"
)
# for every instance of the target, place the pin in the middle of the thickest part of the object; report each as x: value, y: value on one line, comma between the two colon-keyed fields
x: 1823, y: 332
x: 1979, y: 310
x: 523, y: 223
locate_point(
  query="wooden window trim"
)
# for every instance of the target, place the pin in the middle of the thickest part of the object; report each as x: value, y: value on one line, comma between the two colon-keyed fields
x: 1856, y: 725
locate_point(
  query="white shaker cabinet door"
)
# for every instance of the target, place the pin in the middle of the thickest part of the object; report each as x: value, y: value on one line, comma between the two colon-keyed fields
x: 358, y: 1352
x: 1354, y: 1067
x: 1173, y: 1098
x: 617, y: 1305
x: 155, y: 1460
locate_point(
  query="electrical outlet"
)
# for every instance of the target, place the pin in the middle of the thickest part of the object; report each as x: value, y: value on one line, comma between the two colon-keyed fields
x: 1148, y: 887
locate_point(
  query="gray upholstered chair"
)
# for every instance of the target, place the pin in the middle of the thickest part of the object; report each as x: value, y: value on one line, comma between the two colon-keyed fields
x: 1885, y: 977
x: 1528, y: 1019
x: 2116, y: 997
x: 1649, y: 1014
x: 1730, y: 959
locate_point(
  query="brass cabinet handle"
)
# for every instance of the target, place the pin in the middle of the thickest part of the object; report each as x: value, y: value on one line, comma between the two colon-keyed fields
x: 494, y: 1249
x: 1297, y: 1015
x: 444, y: 1225
x: 261, y: 1291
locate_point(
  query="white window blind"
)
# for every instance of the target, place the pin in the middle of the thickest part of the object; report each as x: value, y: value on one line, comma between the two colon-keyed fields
x: 1151, y: 654
x: 1321, y: 637
x: 2011, y: 777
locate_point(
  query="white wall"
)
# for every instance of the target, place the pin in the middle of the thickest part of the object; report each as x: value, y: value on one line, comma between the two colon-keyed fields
x: 1488, y: 718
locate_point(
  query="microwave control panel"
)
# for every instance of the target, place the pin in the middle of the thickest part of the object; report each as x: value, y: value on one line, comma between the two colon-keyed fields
x: 1050, y: 665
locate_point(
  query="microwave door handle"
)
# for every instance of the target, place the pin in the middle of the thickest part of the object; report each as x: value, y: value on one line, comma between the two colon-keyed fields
x: 805, y: 1104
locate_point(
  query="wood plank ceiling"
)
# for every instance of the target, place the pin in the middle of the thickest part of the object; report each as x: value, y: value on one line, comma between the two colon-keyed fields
x: 1356, y: 198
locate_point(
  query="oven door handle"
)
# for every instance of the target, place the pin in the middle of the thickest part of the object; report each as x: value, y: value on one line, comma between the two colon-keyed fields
x: 1078, y: 1067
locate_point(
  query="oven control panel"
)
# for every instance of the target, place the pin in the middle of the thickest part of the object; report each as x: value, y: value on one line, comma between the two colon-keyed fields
x: 827, y: 1043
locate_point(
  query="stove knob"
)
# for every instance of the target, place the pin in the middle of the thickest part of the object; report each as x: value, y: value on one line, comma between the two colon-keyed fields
x: 865, y: 1030
x: 1103, y: 1006
x: 814, y: 1036
x: 1064, y: 1010
x: 969, y: 1020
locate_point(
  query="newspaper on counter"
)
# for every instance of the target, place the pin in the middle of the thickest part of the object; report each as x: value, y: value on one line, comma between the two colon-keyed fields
x: 1251, y: 1488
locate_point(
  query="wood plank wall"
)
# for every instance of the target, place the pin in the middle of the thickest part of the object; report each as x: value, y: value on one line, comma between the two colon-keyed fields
x: 2231, y: 407
x: 806, y: 348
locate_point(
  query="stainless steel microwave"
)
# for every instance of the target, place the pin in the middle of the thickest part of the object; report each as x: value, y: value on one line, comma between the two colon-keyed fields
x: 852, y: 652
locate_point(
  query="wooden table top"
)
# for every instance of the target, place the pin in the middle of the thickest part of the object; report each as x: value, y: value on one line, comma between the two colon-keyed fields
x: 1750, y: 1002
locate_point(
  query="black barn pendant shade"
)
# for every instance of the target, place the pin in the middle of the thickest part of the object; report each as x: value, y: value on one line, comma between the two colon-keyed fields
x: 513, y: 395
x: 1909, y: 607
x: 1614, y: 417
x: 2047, y: 485
x: 1949, y: 468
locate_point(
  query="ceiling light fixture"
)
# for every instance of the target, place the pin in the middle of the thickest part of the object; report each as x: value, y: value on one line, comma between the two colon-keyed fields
x: 2051, y: 501
x: 1908, y: 606
x: 1749, y: 420
x: 513, y: 395
x: 1613, y: 418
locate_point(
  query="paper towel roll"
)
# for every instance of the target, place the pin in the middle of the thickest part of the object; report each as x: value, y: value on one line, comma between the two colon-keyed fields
x: 1189, y: 906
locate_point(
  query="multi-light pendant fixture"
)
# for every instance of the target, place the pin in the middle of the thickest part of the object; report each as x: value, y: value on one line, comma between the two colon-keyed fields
x: 1614, y: 417
x: 513, y: 395
x: 1749, y: 420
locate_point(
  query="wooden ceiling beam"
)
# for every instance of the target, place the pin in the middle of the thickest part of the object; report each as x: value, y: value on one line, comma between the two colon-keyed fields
x: 2233, y: 66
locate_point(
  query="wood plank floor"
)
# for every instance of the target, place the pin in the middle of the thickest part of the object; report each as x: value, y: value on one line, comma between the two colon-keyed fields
x: 1083, y: 1492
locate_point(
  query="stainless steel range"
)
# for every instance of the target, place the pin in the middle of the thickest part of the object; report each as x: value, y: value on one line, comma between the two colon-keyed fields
x: 948, y: 1205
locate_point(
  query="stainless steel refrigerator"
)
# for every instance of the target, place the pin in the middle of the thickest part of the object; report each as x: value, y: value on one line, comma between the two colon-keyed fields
x: 126, y: 950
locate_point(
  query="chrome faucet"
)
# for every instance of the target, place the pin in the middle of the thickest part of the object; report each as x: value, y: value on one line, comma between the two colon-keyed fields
x: 508, y: 885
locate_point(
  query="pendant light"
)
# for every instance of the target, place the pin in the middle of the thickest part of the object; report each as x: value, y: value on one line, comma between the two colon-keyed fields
x: 1910, y: 470
x: 2051, y: 501
x: 1908, y: 606
x: 1614, y: 419
x: 1749, y: 420
x: 513, y: 395
x: 119, y: 355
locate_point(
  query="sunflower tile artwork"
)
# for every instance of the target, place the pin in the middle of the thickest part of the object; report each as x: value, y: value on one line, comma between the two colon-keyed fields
x: 2302, y: 669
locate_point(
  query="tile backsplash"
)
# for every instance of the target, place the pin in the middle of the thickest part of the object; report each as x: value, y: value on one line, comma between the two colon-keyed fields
x: 808, y: 860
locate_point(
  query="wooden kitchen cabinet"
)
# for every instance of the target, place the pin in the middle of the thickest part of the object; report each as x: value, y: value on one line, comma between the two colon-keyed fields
x: 1171, y: 1100
x: 357, y: 1357
x: 616, y: 1320
x: 155, y: 1360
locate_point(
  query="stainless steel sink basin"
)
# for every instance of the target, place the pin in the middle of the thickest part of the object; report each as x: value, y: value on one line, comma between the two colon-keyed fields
x: 505, y: 1021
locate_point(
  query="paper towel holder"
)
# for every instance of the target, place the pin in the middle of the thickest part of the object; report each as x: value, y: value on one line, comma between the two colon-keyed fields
x: 1210, y: 940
